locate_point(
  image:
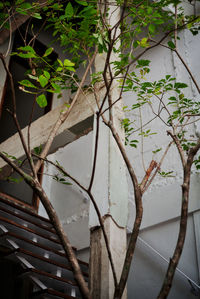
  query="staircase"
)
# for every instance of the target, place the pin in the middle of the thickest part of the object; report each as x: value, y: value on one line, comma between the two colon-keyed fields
x: 32, y: 261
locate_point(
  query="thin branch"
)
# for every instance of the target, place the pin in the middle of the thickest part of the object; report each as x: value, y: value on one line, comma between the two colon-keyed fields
x: 157, y: 168
x: 151, y: 167
x: 10, y: 38
x: 63, y: 115
x: 29, y: 126
x: 183, y: 62
x: 35, y: 185
x: 142, y: 140
x: 88, y: 192
x: 15, y: 116
x: 179, y: 147
x: 183, y: 222
x: 188, y: 70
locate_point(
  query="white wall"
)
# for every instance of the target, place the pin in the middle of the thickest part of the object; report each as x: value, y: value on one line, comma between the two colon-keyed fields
x: 70, y: 202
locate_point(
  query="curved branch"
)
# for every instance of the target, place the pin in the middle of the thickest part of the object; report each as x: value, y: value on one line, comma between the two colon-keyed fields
x: 88, y: 192
x: 35, y: 185
x: 63, y: 115
x: 15, y: 116
x: 183, y: 223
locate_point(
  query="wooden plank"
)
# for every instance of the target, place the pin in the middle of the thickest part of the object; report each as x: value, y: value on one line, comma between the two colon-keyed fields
x: 27, y: 220
x: 20, y: 205
x: 3, y: 219
x: 53, y: 293
x: 49, y: 275
x: 36, y: 244
x: 47, y: 260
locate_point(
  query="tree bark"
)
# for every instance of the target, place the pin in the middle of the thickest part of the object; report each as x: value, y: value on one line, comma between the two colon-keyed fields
x: 35, y: 185
x: 183, y: 221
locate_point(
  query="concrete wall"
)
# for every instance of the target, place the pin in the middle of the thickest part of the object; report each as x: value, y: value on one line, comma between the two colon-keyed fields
x: 71, y: 204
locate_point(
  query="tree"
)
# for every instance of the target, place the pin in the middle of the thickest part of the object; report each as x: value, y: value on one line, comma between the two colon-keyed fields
x: 87, y: 30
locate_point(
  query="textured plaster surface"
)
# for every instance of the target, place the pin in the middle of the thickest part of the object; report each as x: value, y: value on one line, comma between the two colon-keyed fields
x: 164, y: 193
x: 69, y: 201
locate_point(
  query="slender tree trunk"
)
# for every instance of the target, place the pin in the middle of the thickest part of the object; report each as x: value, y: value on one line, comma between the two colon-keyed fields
x: 184, y: 217
x: 180, y: 242
x: 35, y: 185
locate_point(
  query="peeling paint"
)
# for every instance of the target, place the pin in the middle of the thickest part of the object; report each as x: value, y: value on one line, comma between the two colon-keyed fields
x: 76, y: 217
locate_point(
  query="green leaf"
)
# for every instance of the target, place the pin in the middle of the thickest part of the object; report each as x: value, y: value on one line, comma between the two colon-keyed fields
x: 43, y: 80
x: 15, y: 180
x: 26, y: 5
x: 27, y: 83
x: 143, y: 42
x: 36, y: 15
x: 152, y: 28
x: 47, y: 75
x: 84, y: 3
x: 69, y: 11
x: 32, y: 77
x: 67, y: 62
x: 60, y: 62
x: 27, y: 55
x: 56, y: 87
x: 157, y: 150
x: 70, y: 68
x: 171, y: 45
x: 38, y: 150
x: 143, y: 62
x: 166, y: 174
x: 41, y: 100
x: 180, y: 85
x: 48, y: 52
x: 27, y: 49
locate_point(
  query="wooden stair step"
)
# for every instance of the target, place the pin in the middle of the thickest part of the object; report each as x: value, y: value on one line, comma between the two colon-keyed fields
x: 8, y: 200
x: 40, y: 248
x: 53, y: 294
x: 30, y: 233
x: 21, y: 219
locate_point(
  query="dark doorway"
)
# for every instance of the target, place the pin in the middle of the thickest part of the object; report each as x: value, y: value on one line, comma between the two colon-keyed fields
x: 26, y: 107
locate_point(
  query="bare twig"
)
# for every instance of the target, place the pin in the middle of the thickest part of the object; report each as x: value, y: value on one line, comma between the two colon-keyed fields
x: 188, y: 70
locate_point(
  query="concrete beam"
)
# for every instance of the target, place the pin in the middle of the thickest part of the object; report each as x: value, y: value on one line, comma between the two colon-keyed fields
x: 41, y: 128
